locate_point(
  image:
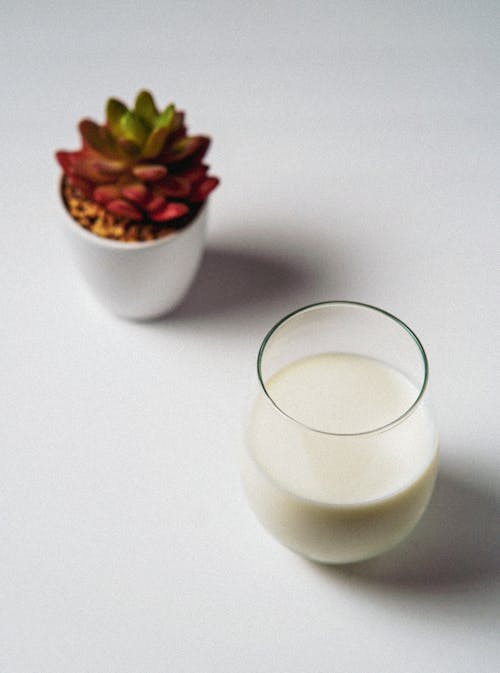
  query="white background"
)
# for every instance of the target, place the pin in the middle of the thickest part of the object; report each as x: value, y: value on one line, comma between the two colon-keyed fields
x: 358, y: 146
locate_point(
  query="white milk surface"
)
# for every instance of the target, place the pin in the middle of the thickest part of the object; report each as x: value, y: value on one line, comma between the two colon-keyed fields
x: 332, y: 497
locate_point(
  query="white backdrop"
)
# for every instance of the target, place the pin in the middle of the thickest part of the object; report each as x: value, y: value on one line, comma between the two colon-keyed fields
x: 358, y: 146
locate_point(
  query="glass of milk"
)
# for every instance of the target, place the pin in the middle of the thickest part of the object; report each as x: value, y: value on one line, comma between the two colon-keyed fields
x: 340, y: 452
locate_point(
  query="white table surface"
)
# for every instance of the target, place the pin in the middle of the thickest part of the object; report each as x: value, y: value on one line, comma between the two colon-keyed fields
x: 358, y: 145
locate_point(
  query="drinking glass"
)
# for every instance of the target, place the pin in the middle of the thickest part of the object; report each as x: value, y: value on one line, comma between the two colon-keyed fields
x: 340, y: 453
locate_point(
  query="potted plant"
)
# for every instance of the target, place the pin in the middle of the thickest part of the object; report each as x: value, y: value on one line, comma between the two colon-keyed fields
x: 136, y: 194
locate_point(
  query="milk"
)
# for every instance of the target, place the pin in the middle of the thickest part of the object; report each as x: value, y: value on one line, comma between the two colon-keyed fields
x: 319, y: 486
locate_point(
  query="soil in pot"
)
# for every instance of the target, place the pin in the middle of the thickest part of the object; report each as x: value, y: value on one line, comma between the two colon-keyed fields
x: 99, y: 221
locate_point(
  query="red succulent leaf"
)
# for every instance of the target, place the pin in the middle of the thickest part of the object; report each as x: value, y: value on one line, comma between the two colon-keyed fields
x: 155, y: 203
x: 203, y: 189
x: 86, y: 168
x: 83, y: 186
x: 124, y: 209
x: 149, y: 172
x: 194, y: 173
x: 110, y: 167
x: 66, y: 160
x: 171, y: 211
x: 136, y: 192
x: 178, y: 123
x: 174, y: 187
x: 186, y: 148
x: 76, y: 164
x: 106, y: 193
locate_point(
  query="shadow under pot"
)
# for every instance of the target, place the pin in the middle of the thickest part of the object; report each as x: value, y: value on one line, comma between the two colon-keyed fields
x: 139, y: 280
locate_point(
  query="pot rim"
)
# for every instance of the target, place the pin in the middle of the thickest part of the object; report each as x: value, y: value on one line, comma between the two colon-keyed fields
x: 128, y: 245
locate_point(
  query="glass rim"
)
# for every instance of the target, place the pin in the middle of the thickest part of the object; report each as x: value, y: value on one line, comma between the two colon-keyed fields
x: 354, y: 304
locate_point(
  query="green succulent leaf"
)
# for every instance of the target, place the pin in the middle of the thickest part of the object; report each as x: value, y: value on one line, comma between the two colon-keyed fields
x: 98, y: 138
x: 154, y: 143
x: 133, y: 128
x: 115, y: 110
x: 165, y: 119
x: 130, y: 149
x: 145, y: 107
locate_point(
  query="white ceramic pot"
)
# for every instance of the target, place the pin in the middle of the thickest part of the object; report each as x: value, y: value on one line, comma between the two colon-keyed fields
x: 141, y: 280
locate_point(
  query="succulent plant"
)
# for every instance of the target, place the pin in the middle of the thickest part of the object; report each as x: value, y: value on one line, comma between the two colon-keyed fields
x: 140, y: 164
